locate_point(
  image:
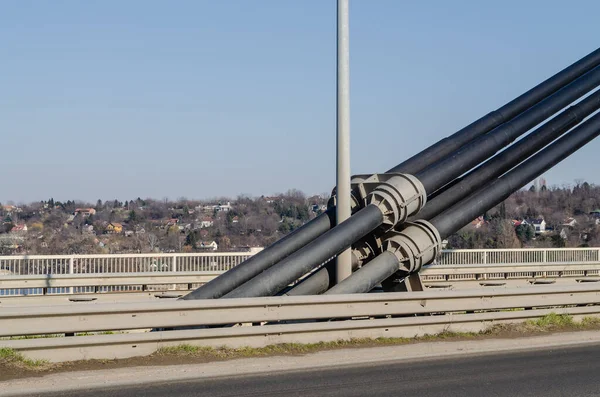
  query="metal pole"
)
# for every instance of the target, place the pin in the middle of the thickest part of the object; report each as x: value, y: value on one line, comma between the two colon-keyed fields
x: 344, y: 260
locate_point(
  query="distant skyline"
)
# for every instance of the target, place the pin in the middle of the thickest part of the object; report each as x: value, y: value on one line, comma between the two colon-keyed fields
x: 202, y: 99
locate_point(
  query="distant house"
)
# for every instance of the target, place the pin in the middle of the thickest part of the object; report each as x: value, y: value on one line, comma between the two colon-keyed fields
x: 114, y: 228
x: 218, y: 207
x: 85, y: 211
x: 569, y: 222
x: 225, y: 208
x: 477, y: 223
x: 564, y: 234
x: 274, y: 199
x: 11, y: 208
x: 206, y: 222
x: 129, y: 233
x: 209, y: 245
x: 318, y: 207
x: 595, y: 213
x: 88, y: 229
x: 203, y: 233
x: 519, y: 222
x: 539, y: 224
x: 235, y: 219
x: 169, y: 223
x: 22, y: 228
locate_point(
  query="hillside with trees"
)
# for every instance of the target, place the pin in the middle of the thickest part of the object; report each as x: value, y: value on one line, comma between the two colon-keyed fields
x: 146, y: 225
x: 570, y: 215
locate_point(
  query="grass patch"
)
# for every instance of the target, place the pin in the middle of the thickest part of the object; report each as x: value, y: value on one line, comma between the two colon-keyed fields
x: 548, y: 323
x: 552, y: 321
x: 590, y: 322
x: 11, y: 358
x: 279, y: 349
x: 224, y: 352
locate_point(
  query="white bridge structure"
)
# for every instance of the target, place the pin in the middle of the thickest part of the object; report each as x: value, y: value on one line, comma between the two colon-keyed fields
x: 23, y: 265
x: 43, y: 275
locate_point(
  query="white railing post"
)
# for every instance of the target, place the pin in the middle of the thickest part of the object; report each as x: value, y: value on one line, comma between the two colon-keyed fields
x: 545, y: 256
x: 71, y: 271
x: 174, y: 263
x: 174, y: 269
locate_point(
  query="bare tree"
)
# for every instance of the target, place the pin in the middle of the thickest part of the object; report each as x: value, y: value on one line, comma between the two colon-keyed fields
x: 152, y: 241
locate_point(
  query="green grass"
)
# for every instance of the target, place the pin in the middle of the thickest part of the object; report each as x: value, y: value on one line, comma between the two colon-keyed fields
x: 552, y: 321
x: 279, y: 349
x: 547, y: 323
x: 301, y: 348
x: 12, y: 358
x: 224, y: 352
x: 590, y: 322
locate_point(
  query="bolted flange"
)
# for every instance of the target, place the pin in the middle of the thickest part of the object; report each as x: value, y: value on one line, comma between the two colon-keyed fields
x: 416, y: 245
x: 357, y: 193
x: 398, y: 196
x: 366, y: 249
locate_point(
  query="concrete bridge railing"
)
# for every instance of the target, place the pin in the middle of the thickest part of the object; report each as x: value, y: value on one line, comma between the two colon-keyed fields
x: 24, y: 265
x: 60, y: 274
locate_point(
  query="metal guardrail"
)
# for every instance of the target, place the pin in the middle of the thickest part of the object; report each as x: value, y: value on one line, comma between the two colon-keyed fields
x: 141, y: 344
x: 289, y: 319
x: 140, y: 315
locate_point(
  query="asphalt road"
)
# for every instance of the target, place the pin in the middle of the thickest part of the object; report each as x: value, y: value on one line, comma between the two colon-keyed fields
x: 548, y: 373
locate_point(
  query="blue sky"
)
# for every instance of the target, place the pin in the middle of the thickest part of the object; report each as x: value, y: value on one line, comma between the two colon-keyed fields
x: 196, y: 99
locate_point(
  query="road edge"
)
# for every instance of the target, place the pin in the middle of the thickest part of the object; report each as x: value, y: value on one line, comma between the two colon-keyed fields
x: 352, y: 357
